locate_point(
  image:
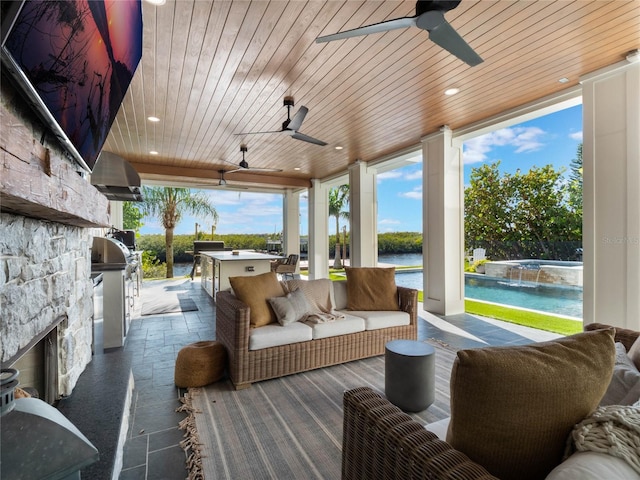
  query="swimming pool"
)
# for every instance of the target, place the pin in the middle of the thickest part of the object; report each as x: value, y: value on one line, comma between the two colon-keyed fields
x: 556, y: 299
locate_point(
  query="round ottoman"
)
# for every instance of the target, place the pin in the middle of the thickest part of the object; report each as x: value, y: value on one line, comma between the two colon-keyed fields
x: 200, y: 364
x: 409, y: 376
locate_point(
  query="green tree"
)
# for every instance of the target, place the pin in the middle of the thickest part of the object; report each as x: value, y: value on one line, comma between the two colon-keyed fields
x: 338, y: 201
x: 575, y: 181
x: 521, y: 215
x: 131, y: 216
x: 540, y: 211
x: 168, y: 204
x: 487, y: 222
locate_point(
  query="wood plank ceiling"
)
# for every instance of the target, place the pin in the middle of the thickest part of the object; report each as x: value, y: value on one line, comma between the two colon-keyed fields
x: 212, y: 69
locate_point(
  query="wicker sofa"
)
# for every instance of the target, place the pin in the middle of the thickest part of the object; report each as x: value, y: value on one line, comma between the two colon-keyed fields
x: 248, y: 363
x: 380, y: 441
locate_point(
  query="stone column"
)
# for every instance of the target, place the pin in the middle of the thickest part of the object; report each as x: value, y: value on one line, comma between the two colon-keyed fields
x: 611, y: 207
x: 443, y: 224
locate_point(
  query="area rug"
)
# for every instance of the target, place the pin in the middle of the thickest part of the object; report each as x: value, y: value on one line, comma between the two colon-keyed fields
x: 287, y: 428
x: 170, y: 304
x: 167, y: 296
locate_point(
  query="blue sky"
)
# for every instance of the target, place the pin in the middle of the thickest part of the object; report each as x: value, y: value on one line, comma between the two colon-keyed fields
x: 552, y: 139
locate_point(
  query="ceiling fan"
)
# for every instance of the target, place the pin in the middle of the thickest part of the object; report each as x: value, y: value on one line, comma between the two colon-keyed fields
x: 223, y: 183
x: 430, y: 17
x: 243, y: 166
x: 291, y: 125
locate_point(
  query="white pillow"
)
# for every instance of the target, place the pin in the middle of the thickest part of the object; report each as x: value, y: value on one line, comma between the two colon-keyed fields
x: 290, y: 308
x: 624, y: 388
x: 593, y: 466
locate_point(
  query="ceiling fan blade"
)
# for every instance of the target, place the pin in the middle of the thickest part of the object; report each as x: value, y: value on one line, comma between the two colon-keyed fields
x: 257, y: 133
x: 307, y: 138
x: 442, y: 33
x: 403, y: 22
x: 298, y: 118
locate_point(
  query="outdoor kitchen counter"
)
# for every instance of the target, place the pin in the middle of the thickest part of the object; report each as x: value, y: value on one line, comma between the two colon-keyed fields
x: 218, y: 266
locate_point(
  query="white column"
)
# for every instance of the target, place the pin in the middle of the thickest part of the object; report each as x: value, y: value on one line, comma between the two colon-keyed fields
x: 443, y: 224
x: 291, y: 223
x: 363, y: 213
x: 611, y: 193
x: 318, y: 230
x: 117, y: 215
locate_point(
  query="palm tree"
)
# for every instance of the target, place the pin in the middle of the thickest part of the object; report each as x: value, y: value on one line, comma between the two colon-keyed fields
x: 168, y: 204
x: 338, y: 200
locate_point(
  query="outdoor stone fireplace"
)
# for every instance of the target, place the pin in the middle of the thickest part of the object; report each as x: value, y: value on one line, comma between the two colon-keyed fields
x: 49, y: 213
x: 45, y: 279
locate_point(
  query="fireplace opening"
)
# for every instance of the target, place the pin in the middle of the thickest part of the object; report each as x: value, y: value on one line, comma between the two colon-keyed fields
x: 38, y: 366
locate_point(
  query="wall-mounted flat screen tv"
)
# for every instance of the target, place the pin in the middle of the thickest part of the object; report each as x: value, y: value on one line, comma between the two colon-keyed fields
x: 74, y: 60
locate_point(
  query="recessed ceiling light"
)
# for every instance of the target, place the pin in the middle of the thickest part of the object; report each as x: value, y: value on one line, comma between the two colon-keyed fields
x: 451, y: 91
x: 338, y: 147
x: 296, y: 168
x: 153, y: 152
x: 153, y: 119
x: 157, y: 2
x: 564, y: 80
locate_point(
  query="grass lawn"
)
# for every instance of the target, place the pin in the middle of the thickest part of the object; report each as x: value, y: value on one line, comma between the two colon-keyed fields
x: 541, y: 321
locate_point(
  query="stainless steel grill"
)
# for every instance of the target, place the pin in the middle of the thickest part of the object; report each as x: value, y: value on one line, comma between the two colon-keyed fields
x: 121, y: 275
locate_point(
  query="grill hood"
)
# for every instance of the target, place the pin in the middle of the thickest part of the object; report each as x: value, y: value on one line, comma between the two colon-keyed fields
x: 114, y: 177
x: 36, y: 440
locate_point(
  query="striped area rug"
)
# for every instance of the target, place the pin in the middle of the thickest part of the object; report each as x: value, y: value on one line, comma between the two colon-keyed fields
x: 286, y: 428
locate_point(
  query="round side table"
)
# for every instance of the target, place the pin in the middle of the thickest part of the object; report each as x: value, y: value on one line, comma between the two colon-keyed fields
x: 409, y: 374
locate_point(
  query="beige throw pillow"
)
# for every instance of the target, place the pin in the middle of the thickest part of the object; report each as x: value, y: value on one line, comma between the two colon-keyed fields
x: 370, y: 288
x: 255, y: 291
x: 513, y: 408
x: 293, y: 307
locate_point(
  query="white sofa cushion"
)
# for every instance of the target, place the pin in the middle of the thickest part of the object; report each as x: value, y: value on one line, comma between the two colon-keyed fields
x: 439, y: 428
x: 341, y: 326
x: 375, y: 319
x: 274, y: 335
x: 593, y: 466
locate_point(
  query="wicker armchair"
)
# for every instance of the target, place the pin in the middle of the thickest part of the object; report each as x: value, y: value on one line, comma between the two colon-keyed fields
x: 286, y: 266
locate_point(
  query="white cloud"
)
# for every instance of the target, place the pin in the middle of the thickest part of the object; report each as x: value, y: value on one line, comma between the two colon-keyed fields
x: 523, y: 139
x: 576, y: 136
x: 390, y: 175
x: 417, y: 175
x: 415, y: 194
x: 389, y: 221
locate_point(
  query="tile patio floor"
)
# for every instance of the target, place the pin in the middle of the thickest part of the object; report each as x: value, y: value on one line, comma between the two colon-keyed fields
x: 151, y: 450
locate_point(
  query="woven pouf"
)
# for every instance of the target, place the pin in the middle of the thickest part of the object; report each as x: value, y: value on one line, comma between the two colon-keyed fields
x: 200, y: 364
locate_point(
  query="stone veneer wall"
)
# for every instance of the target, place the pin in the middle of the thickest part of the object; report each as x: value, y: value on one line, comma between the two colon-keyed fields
x: 45, y: 275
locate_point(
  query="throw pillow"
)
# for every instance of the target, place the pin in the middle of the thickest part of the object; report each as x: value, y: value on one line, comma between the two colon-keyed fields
x: 290, y: 308
x: 254, y: 291
x: 371, y: 288
x: 624, y: 388
x: 634, y: 353
x: 513, y: 408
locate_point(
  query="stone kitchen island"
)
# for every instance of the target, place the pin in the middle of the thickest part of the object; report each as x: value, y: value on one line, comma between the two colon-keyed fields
x: 218, y: 266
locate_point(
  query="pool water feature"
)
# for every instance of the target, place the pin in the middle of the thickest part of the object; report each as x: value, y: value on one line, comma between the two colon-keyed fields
x: 554, y: 299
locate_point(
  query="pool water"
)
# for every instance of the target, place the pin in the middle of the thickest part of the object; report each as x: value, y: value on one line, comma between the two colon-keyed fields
x: 555, y: 299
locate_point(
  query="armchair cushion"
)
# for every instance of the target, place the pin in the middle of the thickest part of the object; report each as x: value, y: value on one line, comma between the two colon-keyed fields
x: 513, y: 408
x: 371, y: 288
x: 255, y: 291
